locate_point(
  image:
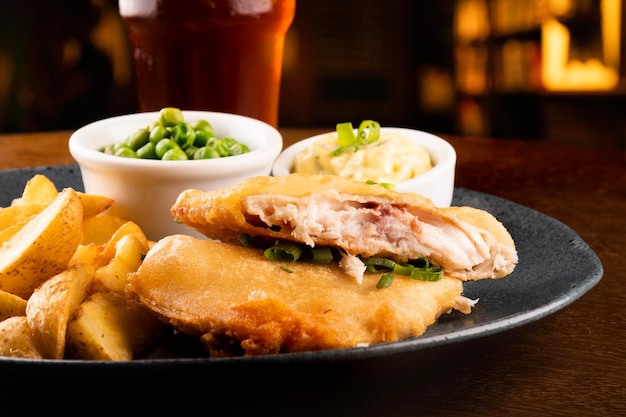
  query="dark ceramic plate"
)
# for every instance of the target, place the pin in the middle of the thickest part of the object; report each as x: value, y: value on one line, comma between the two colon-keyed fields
x: 556, y: 268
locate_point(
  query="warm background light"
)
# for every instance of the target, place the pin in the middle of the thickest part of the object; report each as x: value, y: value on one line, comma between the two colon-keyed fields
x: 600, y: 72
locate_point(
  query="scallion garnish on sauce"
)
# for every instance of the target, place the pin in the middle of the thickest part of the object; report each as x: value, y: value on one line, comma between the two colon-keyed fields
x: 368, y: 132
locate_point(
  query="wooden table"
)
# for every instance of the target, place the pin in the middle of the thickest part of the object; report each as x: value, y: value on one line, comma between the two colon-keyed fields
x: 571, y: 364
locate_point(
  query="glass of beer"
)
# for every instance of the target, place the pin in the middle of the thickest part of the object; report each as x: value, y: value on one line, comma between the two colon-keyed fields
x: 216, y: 55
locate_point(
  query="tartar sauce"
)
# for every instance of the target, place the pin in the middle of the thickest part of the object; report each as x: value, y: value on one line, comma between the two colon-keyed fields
x: 392, y: 158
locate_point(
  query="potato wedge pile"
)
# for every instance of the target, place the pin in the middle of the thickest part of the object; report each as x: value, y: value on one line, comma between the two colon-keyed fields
x: 64, y: 257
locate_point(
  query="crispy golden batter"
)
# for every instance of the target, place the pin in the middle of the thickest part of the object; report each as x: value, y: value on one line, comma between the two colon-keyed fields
x: 239, y: 302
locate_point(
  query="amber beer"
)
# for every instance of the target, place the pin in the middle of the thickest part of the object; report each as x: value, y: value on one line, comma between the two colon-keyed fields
x: 217, y: 55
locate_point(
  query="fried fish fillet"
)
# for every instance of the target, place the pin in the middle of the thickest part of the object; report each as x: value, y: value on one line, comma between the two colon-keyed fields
x: 240, y: 303
x: 363, y: 219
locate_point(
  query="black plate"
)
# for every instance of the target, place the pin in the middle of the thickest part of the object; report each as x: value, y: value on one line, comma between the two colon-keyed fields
x: 556, y: 268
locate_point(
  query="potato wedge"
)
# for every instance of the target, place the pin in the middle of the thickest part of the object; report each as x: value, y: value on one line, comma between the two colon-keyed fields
x: 129, y: 253
x: 106, y: 327
x: 9, y: 232
x: 38, y: 190
x: 100, y: 229
x: 86, y: 253
x: 51, y: 305
x: 43, y: 247
x: 94, y: 204
x: 128, y: 228
x: 10, y: 216
x: 11, y: 305
x: 16, y: 339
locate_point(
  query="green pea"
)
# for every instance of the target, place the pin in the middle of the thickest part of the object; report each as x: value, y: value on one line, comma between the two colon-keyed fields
x: 170, y: 137
x: 203, y: 126
x: 125, y: 152
x: 229, y: 141
x: 171, y: 116
x: 119, y: 145
x: 212, y: 142
x: 175, y: 154
x: 138, y: 138
x: 157, y: 133
x: 238, y: 149
x: 206, y: 152
x: 202, y: 138
x: 190, y: 151
x: 147, y: 151
x: 183, y: 134
x: 223, y: 148
x: 163, y: 146
x: 108, y: 149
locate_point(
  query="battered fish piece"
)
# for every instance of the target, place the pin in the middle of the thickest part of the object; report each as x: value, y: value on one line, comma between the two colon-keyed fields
x: 240, y: 303
x: 363, y: 219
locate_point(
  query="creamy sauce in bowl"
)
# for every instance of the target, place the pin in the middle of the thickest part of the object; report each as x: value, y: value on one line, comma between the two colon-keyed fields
x: 392, y: 158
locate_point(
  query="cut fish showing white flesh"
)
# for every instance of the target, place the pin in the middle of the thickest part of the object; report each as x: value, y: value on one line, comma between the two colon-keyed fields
x: 375, y: 226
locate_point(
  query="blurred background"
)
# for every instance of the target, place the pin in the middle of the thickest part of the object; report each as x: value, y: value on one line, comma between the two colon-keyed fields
x: 542, y: 70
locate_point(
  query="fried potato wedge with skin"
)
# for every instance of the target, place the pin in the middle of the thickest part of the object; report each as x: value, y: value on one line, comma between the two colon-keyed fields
x: 52, y: 304
x: 88, y: 254
x: 12, y: 215
x: 16, y: 339
x: 128, y: 228
x: 38, y: 190
x: 94, y: 204
x: 100, y: 229
x: 43, y: 247
x: 11, y: 305
x: 129, y: 253
x: 9, y: 232
x: 106, y: 327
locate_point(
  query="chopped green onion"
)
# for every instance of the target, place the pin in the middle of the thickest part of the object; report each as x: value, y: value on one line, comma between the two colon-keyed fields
x: 286, y: 269
x: 283, y: 251
x: 386, y: 185
x: 378, y: 264
x: 368, y: 132
x: 419, y: 269
x: 385, y: 280
x: 428, y: 274
x: 246, y: 240
x: 345, y: 134
x: 403, y: 269
x: 321, y: 255
x: 423, y: 270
